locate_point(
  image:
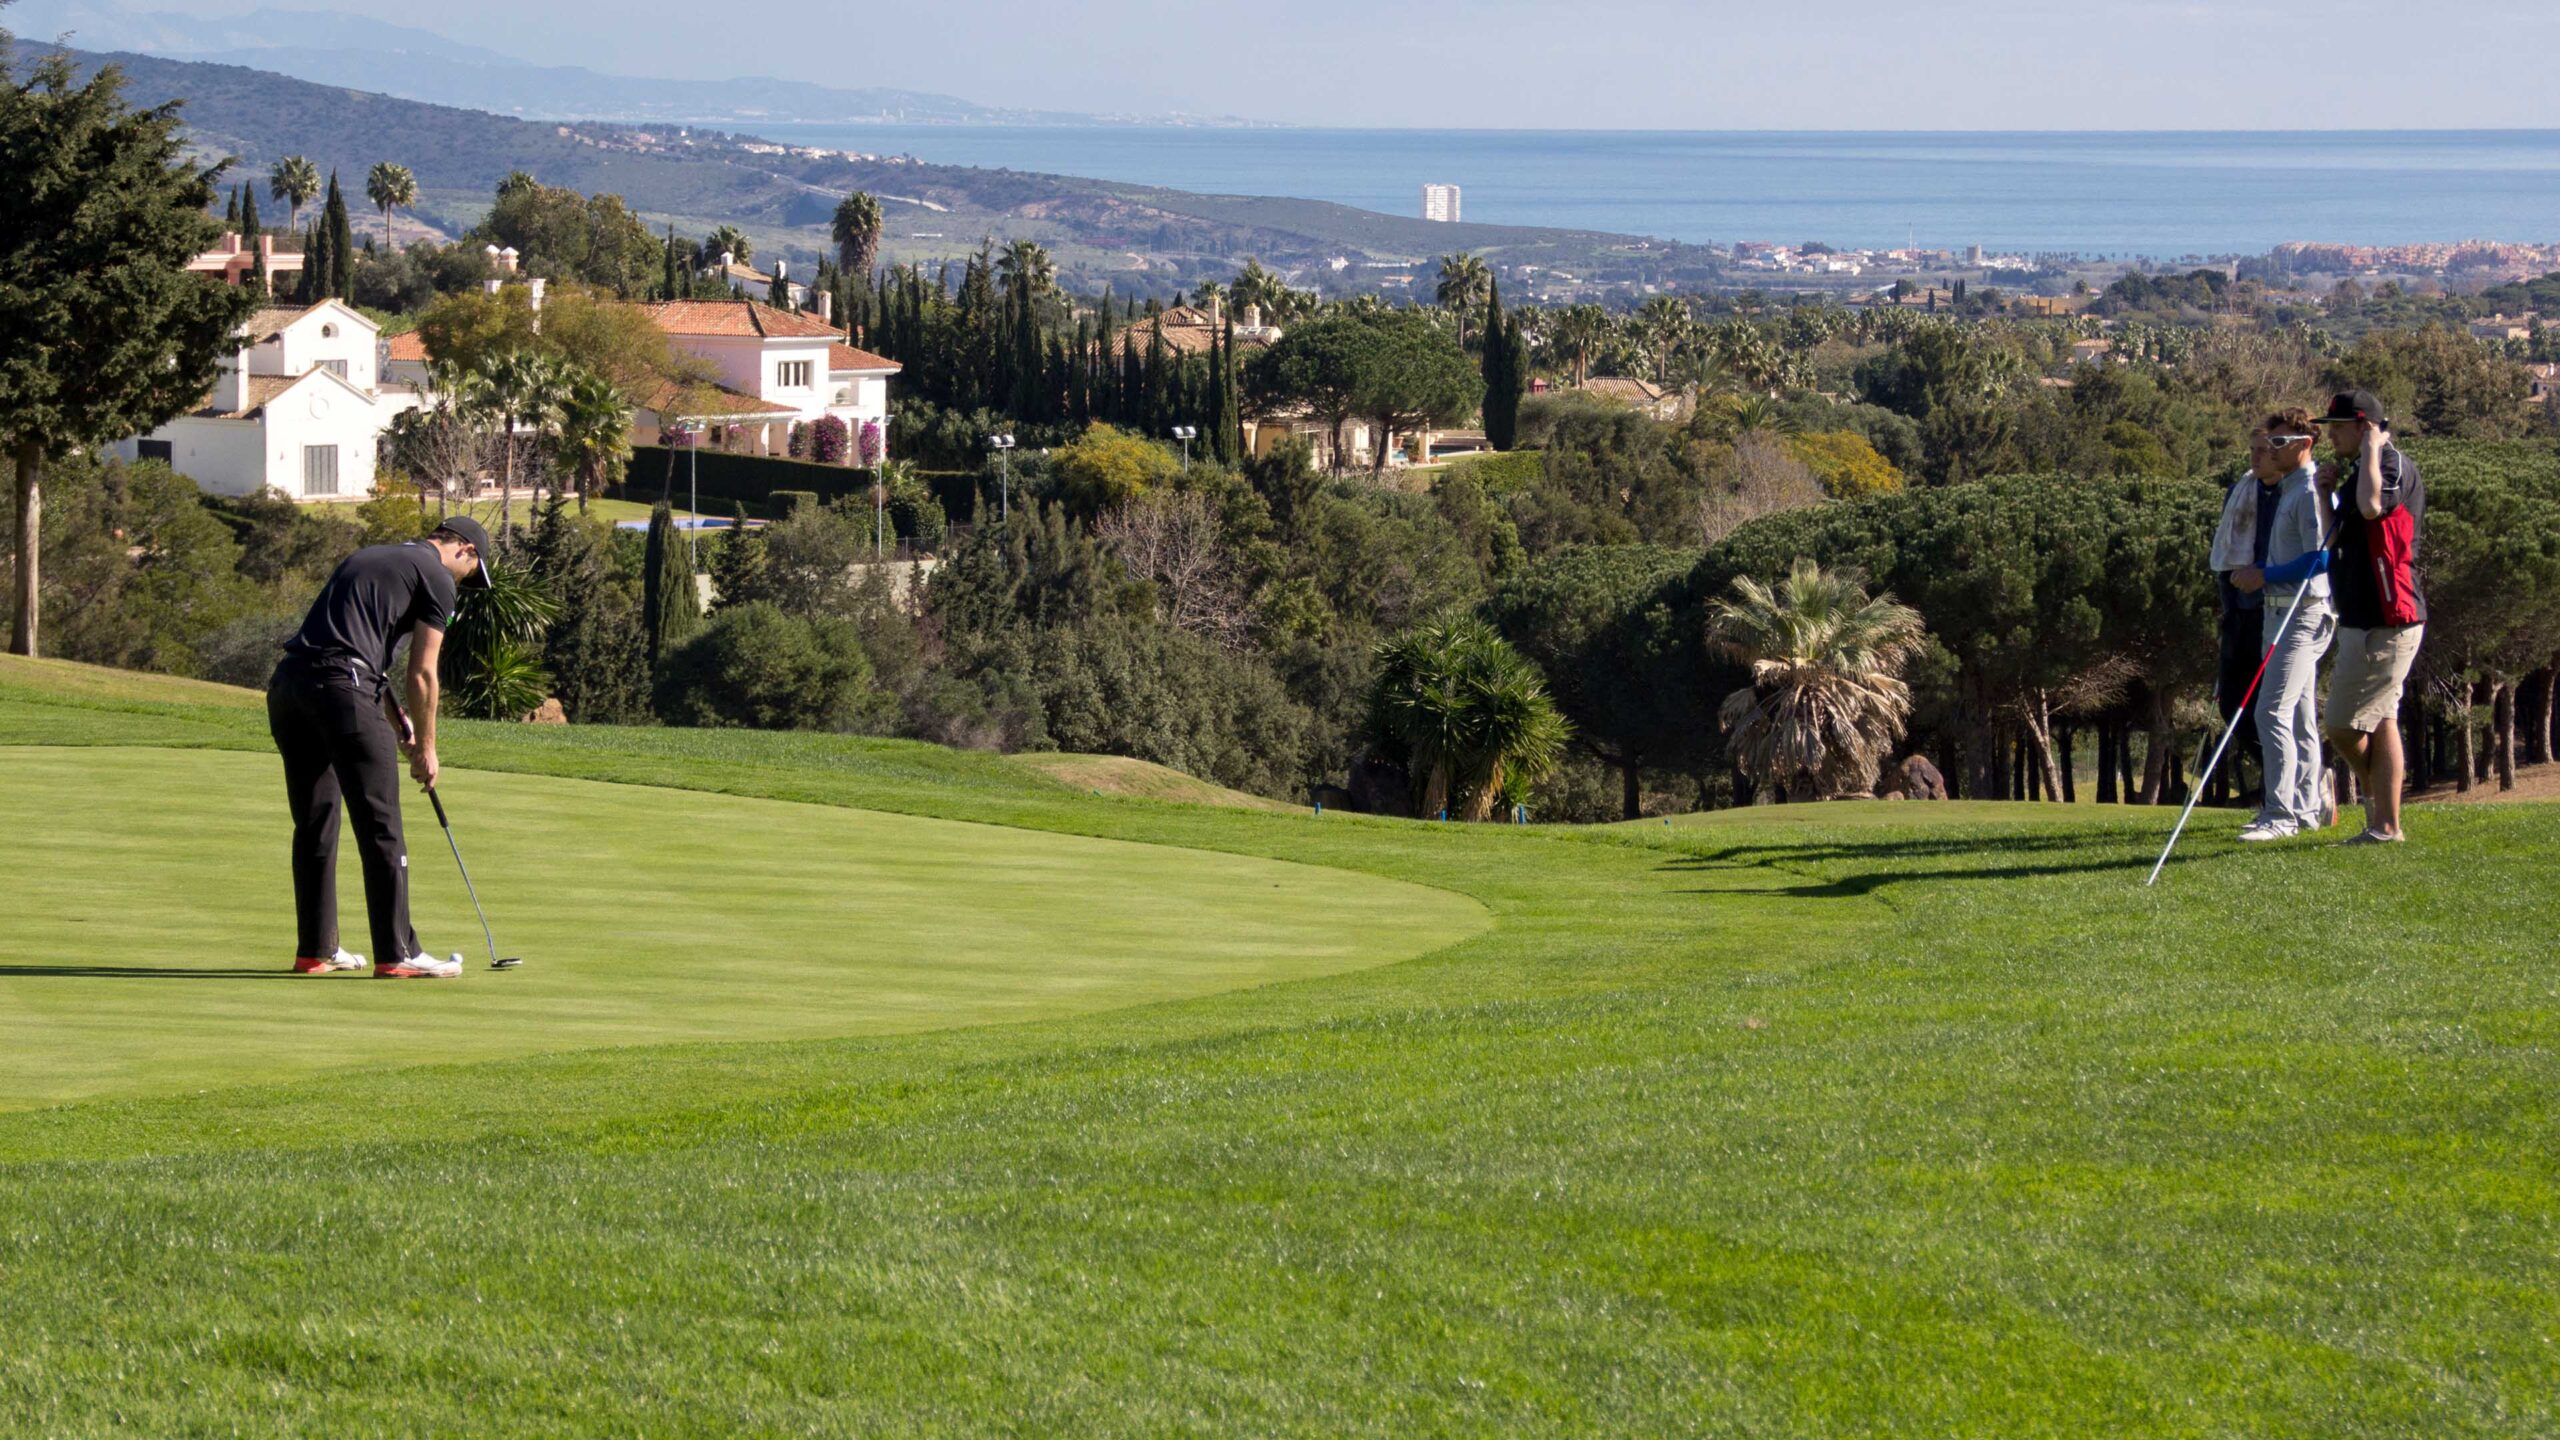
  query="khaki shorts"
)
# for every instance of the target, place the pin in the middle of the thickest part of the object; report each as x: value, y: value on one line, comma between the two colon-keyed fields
x: 2372, y: 666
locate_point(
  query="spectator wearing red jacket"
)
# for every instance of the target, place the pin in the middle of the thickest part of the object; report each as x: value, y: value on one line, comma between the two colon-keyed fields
x: 2382, y: 609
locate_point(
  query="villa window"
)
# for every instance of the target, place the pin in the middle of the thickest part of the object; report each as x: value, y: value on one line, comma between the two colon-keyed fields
x: 792, y: 374
x: 335, y: 367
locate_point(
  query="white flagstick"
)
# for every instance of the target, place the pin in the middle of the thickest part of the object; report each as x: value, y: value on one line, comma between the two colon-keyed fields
x: 2195, y: 791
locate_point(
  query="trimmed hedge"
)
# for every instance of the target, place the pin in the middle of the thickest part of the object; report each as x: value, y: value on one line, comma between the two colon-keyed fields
x: 756, y: 481
x: 750, y: 479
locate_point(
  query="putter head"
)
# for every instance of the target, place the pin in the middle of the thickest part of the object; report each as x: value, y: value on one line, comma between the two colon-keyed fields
x: 508, y: 963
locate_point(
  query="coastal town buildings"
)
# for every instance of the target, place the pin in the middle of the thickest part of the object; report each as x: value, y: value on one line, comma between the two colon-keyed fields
x: 298, y: 406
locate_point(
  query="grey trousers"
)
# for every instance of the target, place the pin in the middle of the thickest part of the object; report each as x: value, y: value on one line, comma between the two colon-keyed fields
x: 2288, y: 712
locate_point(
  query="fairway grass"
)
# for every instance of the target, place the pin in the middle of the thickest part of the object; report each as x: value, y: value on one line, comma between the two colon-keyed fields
x: 1891, y: 1119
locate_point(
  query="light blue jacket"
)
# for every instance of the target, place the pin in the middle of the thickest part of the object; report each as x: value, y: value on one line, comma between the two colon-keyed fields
x: 2302, y: 529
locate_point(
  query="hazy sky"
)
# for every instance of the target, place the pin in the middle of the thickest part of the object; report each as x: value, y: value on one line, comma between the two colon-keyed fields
x: 1823, y: 64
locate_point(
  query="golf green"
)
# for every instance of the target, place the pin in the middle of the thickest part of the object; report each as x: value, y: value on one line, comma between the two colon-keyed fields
x: 152, y: 925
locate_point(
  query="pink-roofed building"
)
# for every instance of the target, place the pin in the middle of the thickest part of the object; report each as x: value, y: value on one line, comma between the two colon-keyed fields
x: 234, y: 261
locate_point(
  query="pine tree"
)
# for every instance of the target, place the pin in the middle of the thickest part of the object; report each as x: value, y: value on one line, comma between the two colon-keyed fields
x: 739, y: 566
x: 671, y: 606
x: 595, y: 650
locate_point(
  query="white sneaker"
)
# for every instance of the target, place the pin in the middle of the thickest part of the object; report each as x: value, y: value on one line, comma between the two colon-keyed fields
x: 420, y: 967
x: 323, y: 964
x: 2257, y: 830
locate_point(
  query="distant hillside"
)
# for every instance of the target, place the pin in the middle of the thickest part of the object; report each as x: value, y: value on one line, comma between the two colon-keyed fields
x: 1101, y: 230
x: 367, y: 54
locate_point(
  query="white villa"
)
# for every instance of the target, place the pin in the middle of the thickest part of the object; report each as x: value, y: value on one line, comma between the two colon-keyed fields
x: 775, y: 368
x: 298, y: 406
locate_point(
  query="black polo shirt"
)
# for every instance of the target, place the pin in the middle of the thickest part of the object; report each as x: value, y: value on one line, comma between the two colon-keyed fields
x: 376, y: 596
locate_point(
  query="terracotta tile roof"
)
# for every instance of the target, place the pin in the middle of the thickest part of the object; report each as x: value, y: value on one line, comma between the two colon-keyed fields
x: 671, y: 400
x: 737, y: 317
x: 263, y: 389
x: 1188, y: 330
x: 409, y: 346
x: 264, y: 324
x: 842, y: 357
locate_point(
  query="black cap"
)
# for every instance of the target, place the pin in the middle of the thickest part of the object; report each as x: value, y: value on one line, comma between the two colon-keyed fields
x: 2355, y: 405
x: 469, y: 529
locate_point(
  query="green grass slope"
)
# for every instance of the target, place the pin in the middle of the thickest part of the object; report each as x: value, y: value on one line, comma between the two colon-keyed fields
x: 646, y: 914
x: 1877, y: 1120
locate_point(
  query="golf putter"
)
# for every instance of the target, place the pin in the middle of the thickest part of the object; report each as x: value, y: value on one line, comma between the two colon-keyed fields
x: 510, y: 962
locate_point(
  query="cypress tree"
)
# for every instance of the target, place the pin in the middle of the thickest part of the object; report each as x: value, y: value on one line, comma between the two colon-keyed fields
x: 778, y: 294
x: 667, y: 263
x: 231, y: 212
x: 1505, y: 373
x: 342, y: 245
x: 1230, y: 441
x: 315, y: 265
x: 249, y: 226
x: 671, y: 606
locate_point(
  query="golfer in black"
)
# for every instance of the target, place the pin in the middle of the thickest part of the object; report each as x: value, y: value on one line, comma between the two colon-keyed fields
x: 341, y: 731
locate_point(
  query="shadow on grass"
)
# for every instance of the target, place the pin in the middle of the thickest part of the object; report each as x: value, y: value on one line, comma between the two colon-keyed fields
x: 1854, y: 886
x: 140, y: 972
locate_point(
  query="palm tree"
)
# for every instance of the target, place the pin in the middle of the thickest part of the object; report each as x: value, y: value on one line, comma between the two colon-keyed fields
x: 591, y: 433
x: 1578, y: 330
x: 524, y: 388
x: 731, y: 241
x: 294, y: 180
x: 389, y: 187
x: 1469, y: 712
x: 1464, y: 279
x: 1027, y: 270
x: 1826, y: 700
x: 1665, y: 325
x: 517, y: 183
x: 857, y: 234
x: 1256, y: 286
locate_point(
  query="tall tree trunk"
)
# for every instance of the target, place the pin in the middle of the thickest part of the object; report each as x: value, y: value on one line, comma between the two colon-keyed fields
x: 2155, y: 760
x: 25, y: 606
x: 2502, y: 724
x: 1985, y: 776
x: 2070, y: 781
x: 2545, y: 733
x: 2044, y: 780
x: 2464, y: 776
x: 2124, y: 760
x: 506, y: 476
x: 2106, y: 762
x: 1631, y: 792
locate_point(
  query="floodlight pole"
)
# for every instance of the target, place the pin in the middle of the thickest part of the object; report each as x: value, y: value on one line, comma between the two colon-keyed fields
x: 1003, y: 445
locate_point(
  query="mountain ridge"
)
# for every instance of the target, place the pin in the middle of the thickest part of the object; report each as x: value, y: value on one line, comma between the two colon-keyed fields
x: 406, y: 62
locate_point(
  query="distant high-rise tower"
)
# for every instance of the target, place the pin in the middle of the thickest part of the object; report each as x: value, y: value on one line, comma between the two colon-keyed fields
x: 1440, y: 202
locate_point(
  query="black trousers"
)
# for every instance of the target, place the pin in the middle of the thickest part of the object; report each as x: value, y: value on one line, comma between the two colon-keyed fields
x: 338, y: 746
x: 2244, y: 645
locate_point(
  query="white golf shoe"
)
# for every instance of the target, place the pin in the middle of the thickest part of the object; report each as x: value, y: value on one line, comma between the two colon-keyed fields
x: 2257, y: 830
x: 324, y: 964
x: 420, y: 967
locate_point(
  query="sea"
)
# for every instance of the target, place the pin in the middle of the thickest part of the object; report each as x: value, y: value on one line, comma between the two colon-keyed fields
x: 2163, y: 195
